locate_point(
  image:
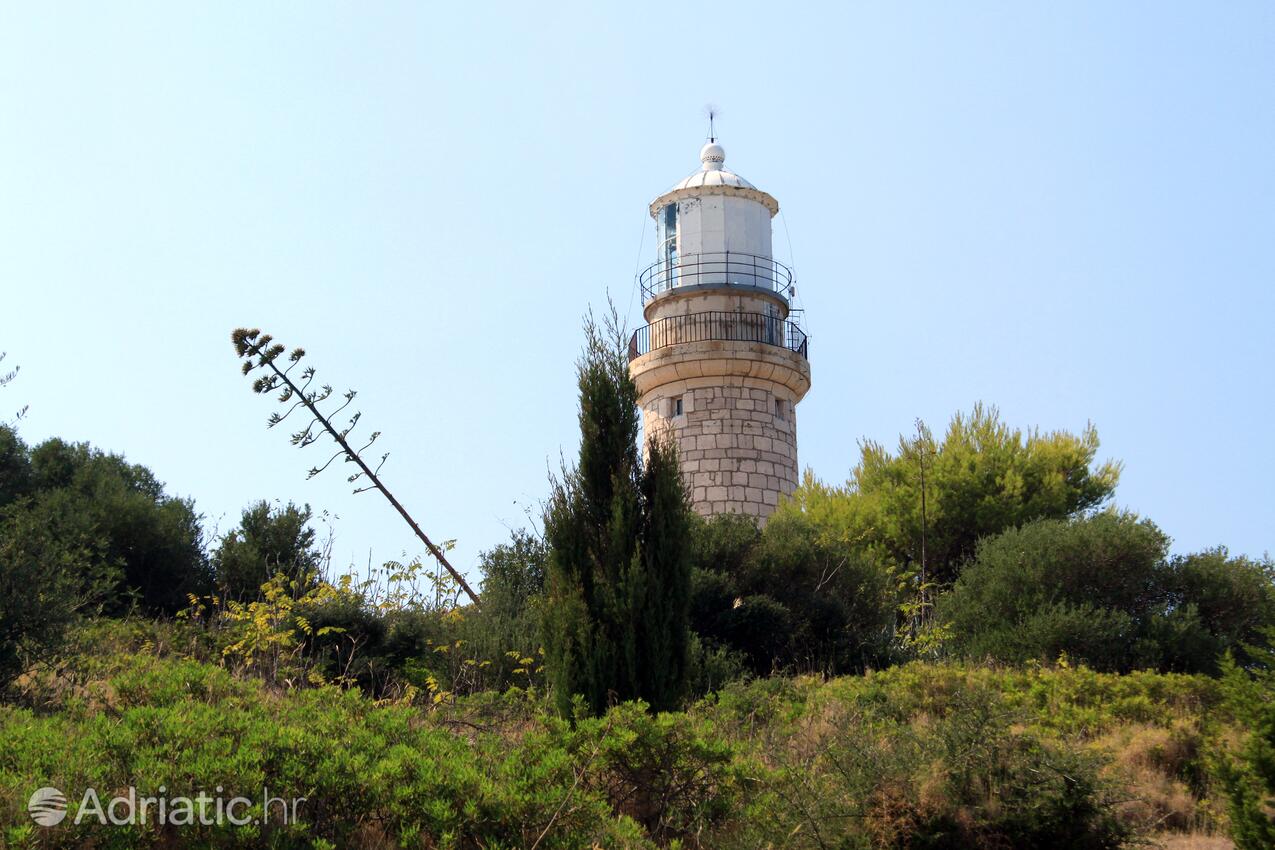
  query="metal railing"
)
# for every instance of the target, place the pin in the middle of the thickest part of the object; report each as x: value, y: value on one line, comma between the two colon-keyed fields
x: 736, y: 327
x: 725, y: 268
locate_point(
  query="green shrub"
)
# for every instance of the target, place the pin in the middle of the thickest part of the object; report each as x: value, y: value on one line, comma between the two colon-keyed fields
x: 268, y: 541
x: 712, y: 666
x: 855, y: 774
x: 372, y: 774
x: 49, y: 574
x: 841, y: 604
x: 153, y: 539
x: 507, y: 627
x: 1248, y: 776
x: 914, y: 756
x: 1100, y: 589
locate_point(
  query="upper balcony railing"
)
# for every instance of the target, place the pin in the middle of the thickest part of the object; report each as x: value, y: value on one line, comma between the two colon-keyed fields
x: 734, y: 327
x: 725, y: 269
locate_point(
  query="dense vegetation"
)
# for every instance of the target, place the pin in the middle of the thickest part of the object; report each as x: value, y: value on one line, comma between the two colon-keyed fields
x: 918, y: 755
x: 965, y: 645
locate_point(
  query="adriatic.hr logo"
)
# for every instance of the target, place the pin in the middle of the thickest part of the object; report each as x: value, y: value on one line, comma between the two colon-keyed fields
x: 47, y: 806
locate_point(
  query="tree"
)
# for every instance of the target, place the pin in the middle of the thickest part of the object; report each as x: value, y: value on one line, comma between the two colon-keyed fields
x: 983, y: 478
x: 619, y: 533
x: 49, y: 574
x: 1248, y: 776
x: 842, y: 603
x: 1101, y: 590
x: 153, y: 539
x: 507, y: 628
x: 1229, y: 600
x: 1085, y: 588
x: 268, y: 541
x: 15, y: 466
x: 790, y: 596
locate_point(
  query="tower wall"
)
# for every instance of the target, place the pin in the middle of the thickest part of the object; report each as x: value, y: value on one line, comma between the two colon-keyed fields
x: 736, y: 454
x: 736, y: 434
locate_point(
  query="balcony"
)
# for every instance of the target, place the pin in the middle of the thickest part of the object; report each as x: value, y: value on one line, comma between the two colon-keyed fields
x: 731, y: 327
x: 725, y: 269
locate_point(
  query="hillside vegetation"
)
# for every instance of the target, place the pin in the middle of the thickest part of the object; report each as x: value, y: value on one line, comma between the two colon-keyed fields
x: 921, y: 755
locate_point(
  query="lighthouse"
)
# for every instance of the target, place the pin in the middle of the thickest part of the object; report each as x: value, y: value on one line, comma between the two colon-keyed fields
x: 722, y: 362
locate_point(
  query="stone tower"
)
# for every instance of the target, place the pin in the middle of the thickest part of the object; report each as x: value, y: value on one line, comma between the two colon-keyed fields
x: 721, y: 364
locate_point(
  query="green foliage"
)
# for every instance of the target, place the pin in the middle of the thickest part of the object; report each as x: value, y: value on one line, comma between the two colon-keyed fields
x: 792, y: 596
x: 926, y: 755
x: 1248, y: 777
x: 723, y: 543
x: 842, y: 603
x: 983, y: 478
x: 618, y: 534
x: 269, y: 540
x: 507, y: 628
x: 1100, y: 589
x: 1231, y: 602
x: 966, y: 780
x: 672, y: 773
x: 915, y: 756
x: 372, y: 775
x: 155, y: 540
x: 42, y: 588
x: 15, y: 466
x: 712, y: 666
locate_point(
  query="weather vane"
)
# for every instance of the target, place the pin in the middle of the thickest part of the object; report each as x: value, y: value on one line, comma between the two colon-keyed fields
x: 712, y: 112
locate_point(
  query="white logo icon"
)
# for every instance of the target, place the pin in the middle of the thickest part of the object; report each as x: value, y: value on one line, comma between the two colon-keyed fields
x: 47, y: 807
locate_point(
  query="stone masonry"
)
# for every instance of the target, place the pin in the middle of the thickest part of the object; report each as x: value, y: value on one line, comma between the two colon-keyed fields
x: 737, y: 446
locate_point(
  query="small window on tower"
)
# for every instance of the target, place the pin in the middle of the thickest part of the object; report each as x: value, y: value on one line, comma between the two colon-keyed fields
x: 779, y: 409
x: 677, y: 406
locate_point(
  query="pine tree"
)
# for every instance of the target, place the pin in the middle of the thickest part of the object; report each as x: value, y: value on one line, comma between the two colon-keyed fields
x: 618, y: 530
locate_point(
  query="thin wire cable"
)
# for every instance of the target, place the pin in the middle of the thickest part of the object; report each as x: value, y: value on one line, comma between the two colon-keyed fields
x: 792, y: 262
x: 637, y: 266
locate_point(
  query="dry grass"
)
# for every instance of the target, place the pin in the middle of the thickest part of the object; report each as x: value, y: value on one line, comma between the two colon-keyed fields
x: 1155, y: 765
x: 1192, y: 841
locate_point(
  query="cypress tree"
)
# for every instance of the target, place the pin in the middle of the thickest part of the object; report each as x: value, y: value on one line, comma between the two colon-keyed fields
x: 618, y: 531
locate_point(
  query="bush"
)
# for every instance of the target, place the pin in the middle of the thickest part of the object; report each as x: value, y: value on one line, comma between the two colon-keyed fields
x: 42, y: 589
x: 841, y: 605
x: 915, y: 756
x: 1100, y: 589
x: 723, y: 543
x: 789, y: 597
x: 268, y: 541
x: 672, y: 773
x: 1248, y: 776
x: 15, y: 466
x: 713, y: 666
x: 850, y: 774
x: 154, y: 539
x: 507, y: 627
x: 372, y: 775
x: 1226, y: 604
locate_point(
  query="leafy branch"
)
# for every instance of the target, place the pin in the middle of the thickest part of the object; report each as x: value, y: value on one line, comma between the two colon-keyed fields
x: 260, y: 351
x: 5, y: 378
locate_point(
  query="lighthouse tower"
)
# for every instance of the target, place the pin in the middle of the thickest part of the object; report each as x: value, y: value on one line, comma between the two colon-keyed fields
x: 722, y: 361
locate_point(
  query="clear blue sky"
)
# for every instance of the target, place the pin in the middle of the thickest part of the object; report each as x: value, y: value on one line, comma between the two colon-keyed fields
x: 1067, y: 210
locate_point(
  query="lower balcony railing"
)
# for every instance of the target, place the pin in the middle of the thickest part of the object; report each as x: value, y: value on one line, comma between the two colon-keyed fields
x: 734, y: 327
